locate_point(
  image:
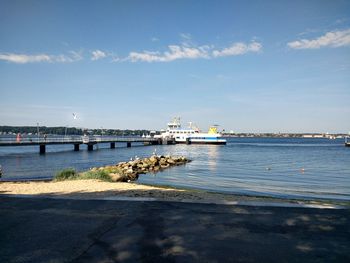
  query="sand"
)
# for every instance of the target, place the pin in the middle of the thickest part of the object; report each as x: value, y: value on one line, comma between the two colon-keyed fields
x: 89, y: 189
x: 95, y: 189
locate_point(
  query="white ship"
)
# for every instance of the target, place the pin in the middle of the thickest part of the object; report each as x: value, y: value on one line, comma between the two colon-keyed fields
x: 191, y: 135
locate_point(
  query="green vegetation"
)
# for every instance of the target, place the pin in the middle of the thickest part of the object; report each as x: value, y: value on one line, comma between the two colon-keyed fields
x: 42, y: 130
x: 71, y: 174
x: 112, y: 169
x: 98, y: 175
x: 66, y: 174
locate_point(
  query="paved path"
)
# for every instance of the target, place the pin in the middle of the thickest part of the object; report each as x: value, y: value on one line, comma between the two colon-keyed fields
x: 51, y: 230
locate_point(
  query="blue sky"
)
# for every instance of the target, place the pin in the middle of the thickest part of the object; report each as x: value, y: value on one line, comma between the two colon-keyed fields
x: 250, y: 66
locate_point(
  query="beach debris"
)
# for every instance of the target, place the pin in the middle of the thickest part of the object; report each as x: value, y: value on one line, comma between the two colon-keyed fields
x: 130, y: 171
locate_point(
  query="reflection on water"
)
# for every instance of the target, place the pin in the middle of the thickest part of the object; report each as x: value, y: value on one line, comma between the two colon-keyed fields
x: 245, y: 165
x: 18, y: 161
x: 212, y: 156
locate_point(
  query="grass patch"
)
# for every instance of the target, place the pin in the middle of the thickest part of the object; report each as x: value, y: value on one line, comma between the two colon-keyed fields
x: 65, y: 174
x: 71, y: 174
x: 97, y: 175
x: 112, y: 169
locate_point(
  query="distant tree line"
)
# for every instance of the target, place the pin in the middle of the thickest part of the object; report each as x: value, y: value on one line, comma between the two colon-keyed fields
x: 69, y: 131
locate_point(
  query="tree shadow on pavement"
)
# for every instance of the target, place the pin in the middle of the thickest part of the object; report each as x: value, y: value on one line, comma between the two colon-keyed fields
x: 49, y: 229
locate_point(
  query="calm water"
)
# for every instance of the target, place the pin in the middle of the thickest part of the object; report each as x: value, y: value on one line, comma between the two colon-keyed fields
x: 257, y: 166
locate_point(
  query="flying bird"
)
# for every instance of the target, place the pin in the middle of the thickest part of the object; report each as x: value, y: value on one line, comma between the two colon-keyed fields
x: 75, y: 116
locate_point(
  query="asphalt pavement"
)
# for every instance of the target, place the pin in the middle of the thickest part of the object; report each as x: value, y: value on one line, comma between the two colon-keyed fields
x: 61, y: 230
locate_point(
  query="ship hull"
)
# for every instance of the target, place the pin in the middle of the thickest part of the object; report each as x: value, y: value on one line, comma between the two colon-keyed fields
x: 202, y: 142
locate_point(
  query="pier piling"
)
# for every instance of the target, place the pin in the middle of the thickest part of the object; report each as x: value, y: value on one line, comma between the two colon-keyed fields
x: 76, y: 147
x: 42, y: 148
x: 90, y: 147
x: 112, y: 145
x: 128, y: 144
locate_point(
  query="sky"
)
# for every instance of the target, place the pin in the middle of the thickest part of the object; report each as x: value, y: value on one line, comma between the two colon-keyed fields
x: 248, y: 66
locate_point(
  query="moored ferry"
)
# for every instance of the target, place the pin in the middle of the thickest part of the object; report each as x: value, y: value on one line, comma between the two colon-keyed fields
x: 192, y: 134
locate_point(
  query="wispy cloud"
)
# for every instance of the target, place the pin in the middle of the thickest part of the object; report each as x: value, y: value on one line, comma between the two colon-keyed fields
x: 238, y: 49
x: 330, y: 39
x: 98, y: 54
x: 22, y: 58
x: 154, y: 39
x: 185, y: 51
x: 187, y: 40
x: 72, y: 56
x: 25, y: 58
x: 186, y: 36
x: 174, y: 52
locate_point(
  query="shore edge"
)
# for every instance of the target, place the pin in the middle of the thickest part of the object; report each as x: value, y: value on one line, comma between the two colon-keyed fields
x: 98, y: 190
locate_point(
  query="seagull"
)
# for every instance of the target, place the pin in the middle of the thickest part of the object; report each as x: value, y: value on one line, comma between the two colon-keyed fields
x: 74, y: 116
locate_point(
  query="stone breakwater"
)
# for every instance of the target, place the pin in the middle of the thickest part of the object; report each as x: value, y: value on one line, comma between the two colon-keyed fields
x: 130, y: 171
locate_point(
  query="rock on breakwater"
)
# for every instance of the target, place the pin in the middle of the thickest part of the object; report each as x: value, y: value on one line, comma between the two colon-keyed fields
x: 130, y: 171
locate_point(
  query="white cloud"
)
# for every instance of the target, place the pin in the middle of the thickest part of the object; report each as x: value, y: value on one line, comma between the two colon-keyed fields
x: 238, y: 49
x: 186, y: 51
x: 98, y: 54
x: 24, y: 58
x: 330, y: 39
x: 174, y: 52
x: 76, y: 56
x: 186, y: 36
x: 72, y: 57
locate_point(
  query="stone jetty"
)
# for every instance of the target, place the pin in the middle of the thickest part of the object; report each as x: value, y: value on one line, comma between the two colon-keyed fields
x: 130, y: 171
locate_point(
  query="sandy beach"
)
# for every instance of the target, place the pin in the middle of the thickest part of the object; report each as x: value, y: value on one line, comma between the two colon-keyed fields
x: 95, y: 189
x: 90, y: 189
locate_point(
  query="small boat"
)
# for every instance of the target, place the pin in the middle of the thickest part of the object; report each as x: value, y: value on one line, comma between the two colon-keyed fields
x: 192, y: 134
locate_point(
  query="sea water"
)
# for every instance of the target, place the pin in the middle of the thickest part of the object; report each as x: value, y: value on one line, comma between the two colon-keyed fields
x: 280, y: 167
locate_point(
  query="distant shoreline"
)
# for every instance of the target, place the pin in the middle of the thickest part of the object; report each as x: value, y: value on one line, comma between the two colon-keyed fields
x: 69, y: 131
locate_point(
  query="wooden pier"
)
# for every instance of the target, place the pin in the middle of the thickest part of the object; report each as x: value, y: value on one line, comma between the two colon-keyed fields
x: 76, y: 141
